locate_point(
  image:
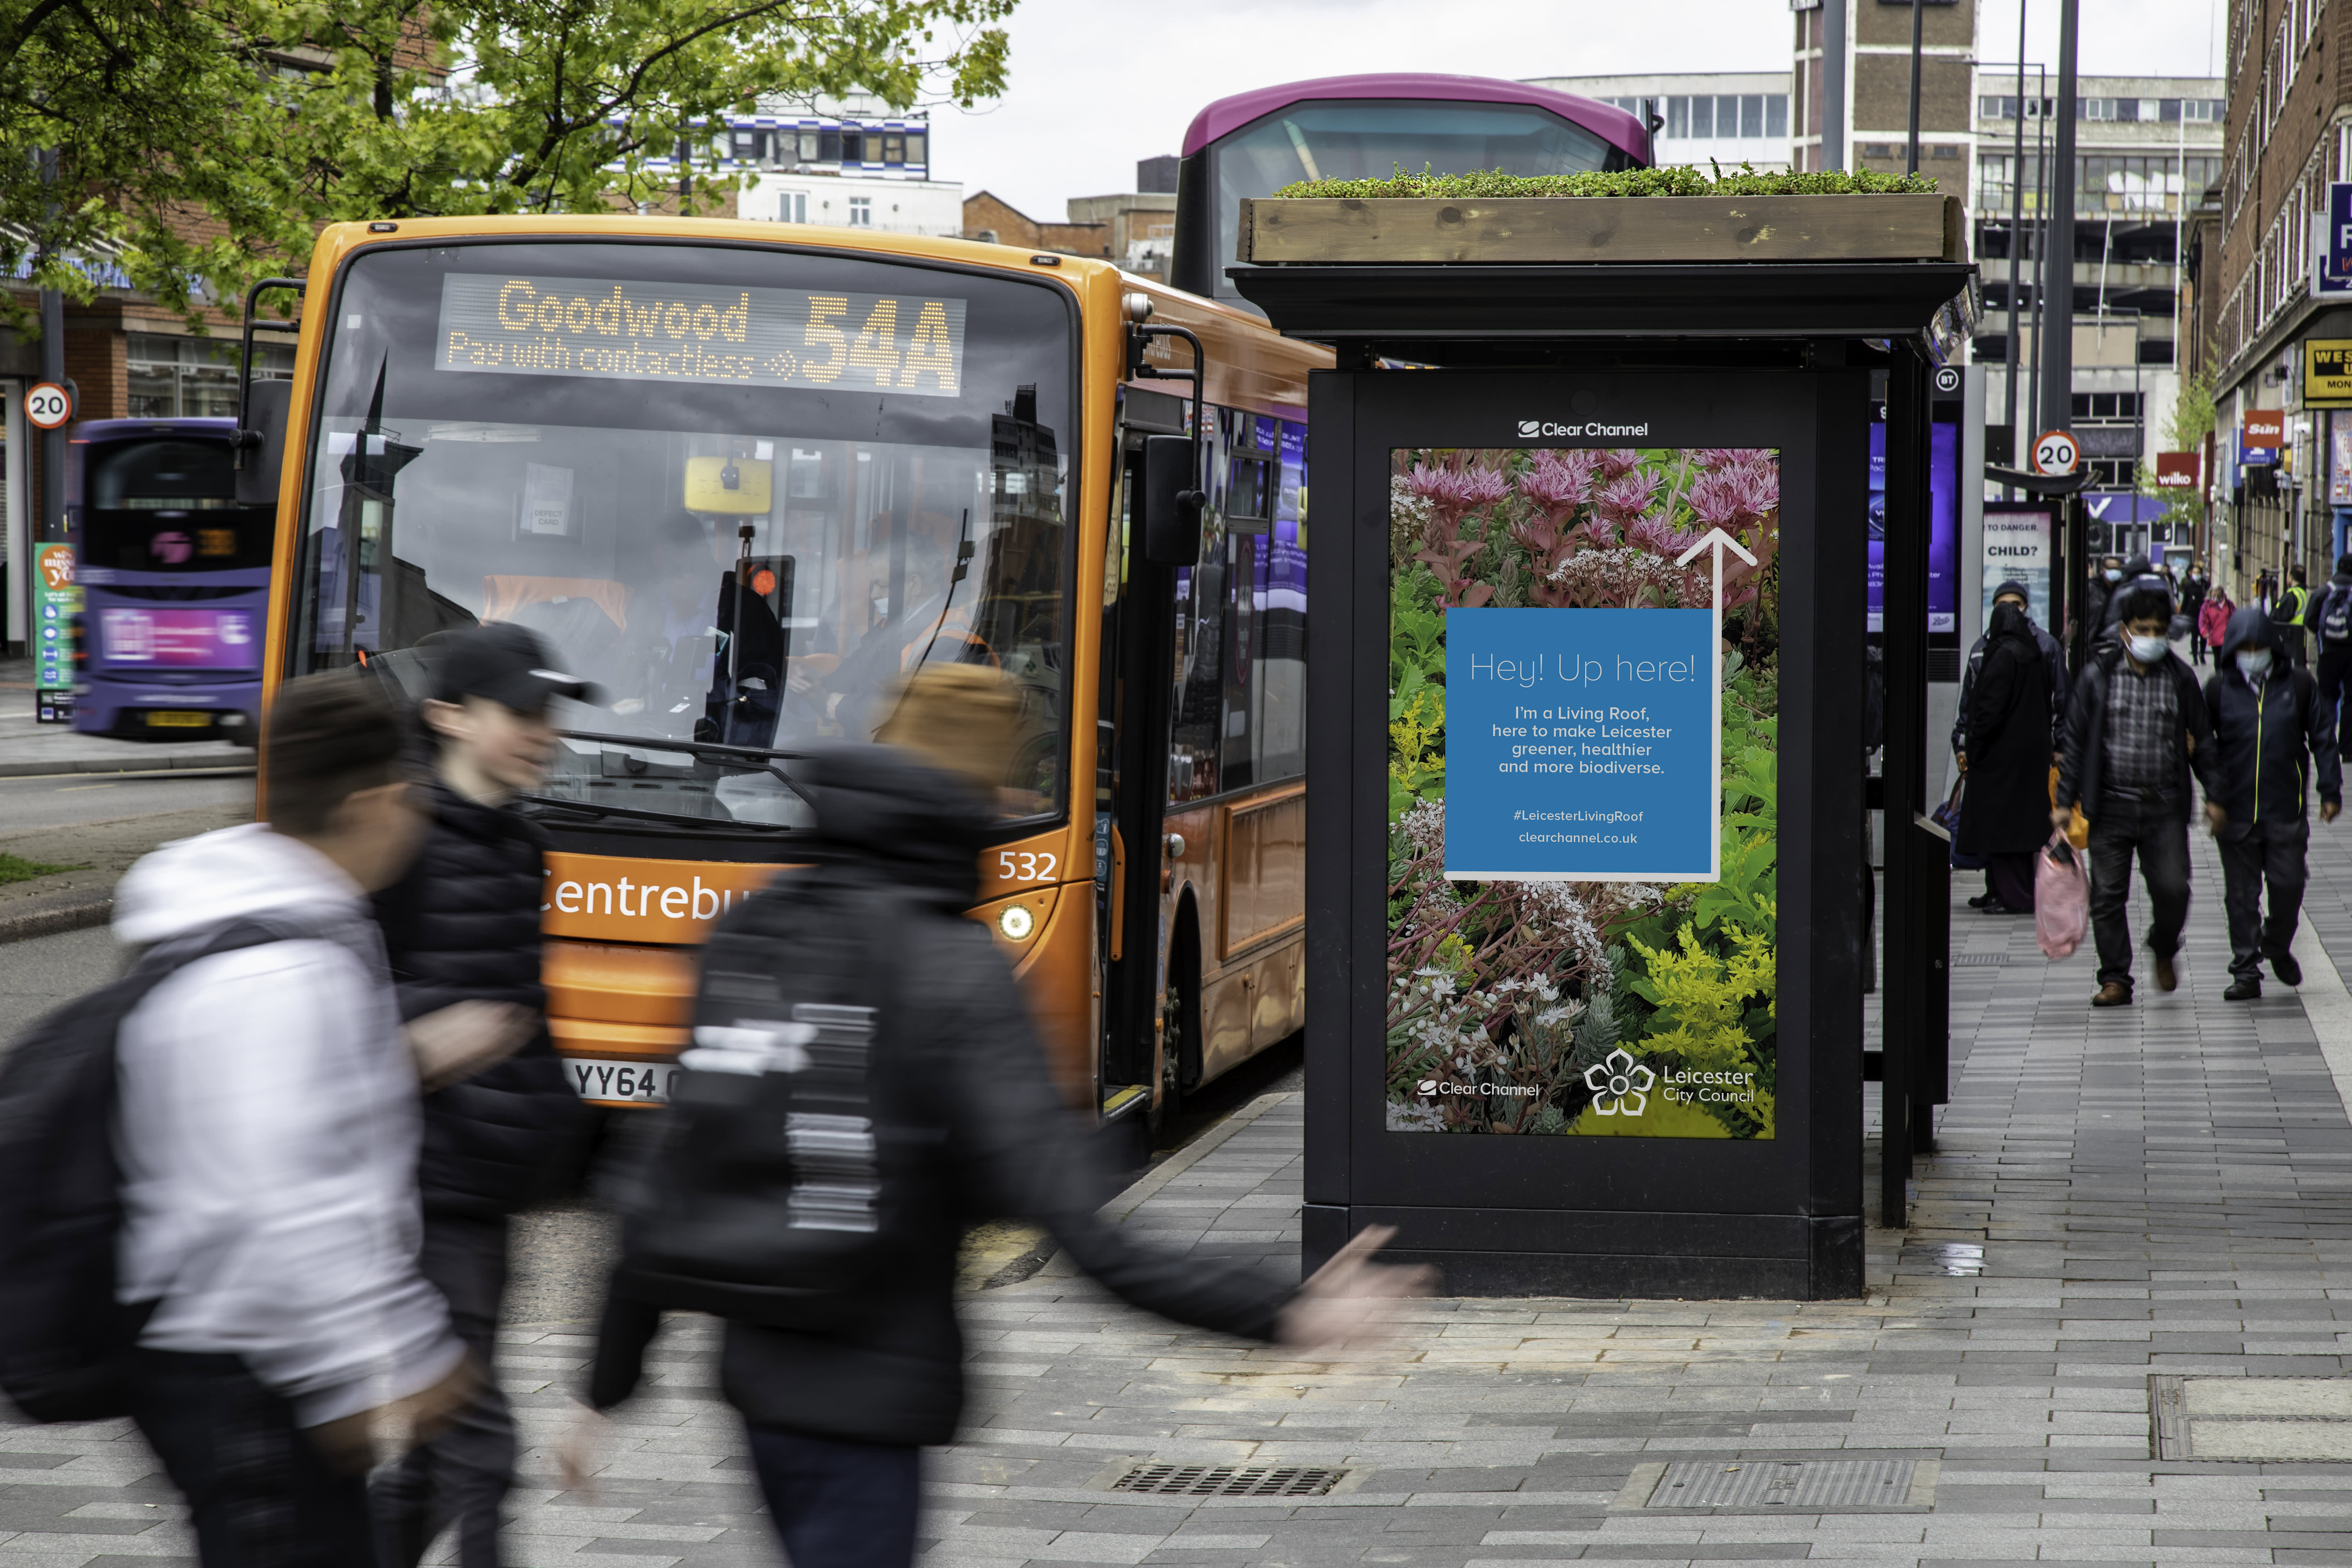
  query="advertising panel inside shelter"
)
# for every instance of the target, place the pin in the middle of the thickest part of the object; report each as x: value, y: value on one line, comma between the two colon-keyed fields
x: 1583, y: 807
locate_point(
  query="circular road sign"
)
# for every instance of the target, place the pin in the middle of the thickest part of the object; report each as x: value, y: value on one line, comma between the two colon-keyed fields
x: 48, y: 406
x: 2055, y: 454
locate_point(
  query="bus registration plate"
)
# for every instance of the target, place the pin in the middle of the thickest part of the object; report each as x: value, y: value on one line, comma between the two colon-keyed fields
x: 646, y: 1083
x: 177, y: 719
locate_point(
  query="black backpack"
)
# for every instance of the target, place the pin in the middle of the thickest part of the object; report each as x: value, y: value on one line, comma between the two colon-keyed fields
x: 2336, y: 614
x: 65, y: 1340
x: 774, y: 1192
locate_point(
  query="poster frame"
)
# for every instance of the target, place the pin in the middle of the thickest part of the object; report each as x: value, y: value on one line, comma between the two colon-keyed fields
x: 1593, y: 1216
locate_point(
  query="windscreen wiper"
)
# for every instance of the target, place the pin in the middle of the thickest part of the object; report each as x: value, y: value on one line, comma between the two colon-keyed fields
x: 713, y: 749
x: 598, y: 808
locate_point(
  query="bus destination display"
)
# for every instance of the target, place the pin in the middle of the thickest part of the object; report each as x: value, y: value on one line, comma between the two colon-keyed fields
x: 686, y: 331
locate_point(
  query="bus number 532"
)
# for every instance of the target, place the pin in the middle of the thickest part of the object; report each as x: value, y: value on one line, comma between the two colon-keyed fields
x: 1023, y: 866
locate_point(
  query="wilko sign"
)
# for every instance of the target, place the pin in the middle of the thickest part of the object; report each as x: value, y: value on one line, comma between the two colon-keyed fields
x: 2176, y: 470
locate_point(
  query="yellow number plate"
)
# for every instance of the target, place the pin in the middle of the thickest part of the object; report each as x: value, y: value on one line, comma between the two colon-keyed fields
x: 170, y: 718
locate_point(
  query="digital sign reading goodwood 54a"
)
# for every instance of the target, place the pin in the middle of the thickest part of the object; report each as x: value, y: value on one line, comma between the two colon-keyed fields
x: 632, y: 330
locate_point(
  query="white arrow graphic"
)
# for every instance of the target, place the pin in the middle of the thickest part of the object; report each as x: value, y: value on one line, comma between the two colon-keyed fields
x: 1720, y: 542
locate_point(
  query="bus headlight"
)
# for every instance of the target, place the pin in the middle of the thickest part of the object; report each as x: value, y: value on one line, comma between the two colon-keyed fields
x: 1017, y: 922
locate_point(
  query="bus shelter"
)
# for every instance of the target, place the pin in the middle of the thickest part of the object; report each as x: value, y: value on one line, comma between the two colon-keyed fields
x: 1587, y: 874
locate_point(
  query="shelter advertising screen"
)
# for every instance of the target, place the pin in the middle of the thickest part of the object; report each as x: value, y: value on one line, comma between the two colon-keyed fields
x: 695, y: 333
x: 1584, y: 763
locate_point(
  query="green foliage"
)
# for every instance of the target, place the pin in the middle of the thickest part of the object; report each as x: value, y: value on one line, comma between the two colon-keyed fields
x: 270, y: 117
x: 1661, y: 1117
x: 1711, y: 1004
x: 16, y: 869
x: 1672, y: 180
x: 1416, y: 695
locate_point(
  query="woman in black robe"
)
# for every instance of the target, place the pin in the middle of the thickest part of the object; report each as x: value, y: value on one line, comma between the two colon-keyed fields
x: 2005, y: 809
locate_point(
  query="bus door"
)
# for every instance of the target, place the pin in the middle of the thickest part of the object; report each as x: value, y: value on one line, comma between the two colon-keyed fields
x: 1131, y: 789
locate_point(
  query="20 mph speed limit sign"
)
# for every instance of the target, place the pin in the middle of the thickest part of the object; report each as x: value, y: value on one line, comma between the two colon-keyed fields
x: 2055, y: 454
x: 48, y: 406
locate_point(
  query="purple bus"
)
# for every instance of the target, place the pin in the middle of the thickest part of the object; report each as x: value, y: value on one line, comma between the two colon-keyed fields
x: 1366, y: 127
x: 175, y: 579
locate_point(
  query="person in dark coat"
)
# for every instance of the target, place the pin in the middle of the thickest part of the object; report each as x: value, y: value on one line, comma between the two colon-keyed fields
x: 837, y: 1416
x: 2097, y: 594
x: 2193, y: 584
x: 2271, y: 733
x: 2005, y: 810
x: 464, y: 924
x: 2333, y: 665
x: 2054, y: 660
x: 2136, y: 732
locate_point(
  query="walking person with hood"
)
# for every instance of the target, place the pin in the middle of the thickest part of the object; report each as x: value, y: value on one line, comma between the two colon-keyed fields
x: 2017, y: 596
x: 463, y: 925
x: 2136, y: 732
x: 827, y: 1240
x: 2331, y: 623
x: 2270, y: 734
x: 2004, y: 812
x: 268, y: 1134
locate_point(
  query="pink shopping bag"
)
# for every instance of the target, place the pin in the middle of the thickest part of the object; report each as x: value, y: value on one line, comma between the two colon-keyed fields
x: 2061, y: 897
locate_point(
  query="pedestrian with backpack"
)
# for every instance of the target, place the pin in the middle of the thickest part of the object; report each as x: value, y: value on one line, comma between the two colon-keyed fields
x: 2332, y: 621
x: 2270, y: 734
x: 2136, y: 731
x: 864, y: 1082
x: 236, y: 1164
x: 462, y: 925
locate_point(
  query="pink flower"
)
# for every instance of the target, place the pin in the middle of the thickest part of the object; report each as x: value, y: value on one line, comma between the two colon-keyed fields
x: 1454, y: 493
x: 1618, y: 461
x: 1625, y: 497
x: 1730, y: 457
x: 1556, y: 483
x: 1657, y: 532
x: 1736, y: 497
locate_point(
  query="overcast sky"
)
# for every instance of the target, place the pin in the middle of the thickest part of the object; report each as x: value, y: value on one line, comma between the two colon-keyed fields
x: 1098, y: 84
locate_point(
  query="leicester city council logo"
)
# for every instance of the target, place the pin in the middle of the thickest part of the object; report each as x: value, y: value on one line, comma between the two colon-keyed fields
x: 1621, y: 1086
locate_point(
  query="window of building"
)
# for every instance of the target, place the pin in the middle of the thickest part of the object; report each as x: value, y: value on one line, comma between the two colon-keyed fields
x: 853, y: 145
x: 1703, y: 118
x: 894, y: 147
x: 828, y: 146
x: 750, y: 146
x: 861, y: 212
x: 1751, y: 115
x: 197, y: 377
x: 794, y: 204
x: 1775, y: 114
x: 918, y: 146
x: 807, y: 146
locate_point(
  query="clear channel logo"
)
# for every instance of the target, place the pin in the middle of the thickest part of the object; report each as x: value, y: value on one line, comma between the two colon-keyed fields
x: 1621, y: 1086
x: 1534, y: 429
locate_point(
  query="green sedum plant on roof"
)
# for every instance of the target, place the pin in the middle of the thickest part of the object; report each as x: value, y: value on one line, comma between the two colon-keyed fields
x: 1679, y: 180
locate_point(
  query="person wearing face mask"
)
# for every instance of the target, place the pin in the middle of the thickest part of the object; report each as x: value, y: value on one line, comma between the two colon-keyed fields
x: 2271, y: 733
x: 1968, y: 754
x: 2136, y: 730
x: 2008, y: 714
x: 2096, y: 597
x: 2193, y: 586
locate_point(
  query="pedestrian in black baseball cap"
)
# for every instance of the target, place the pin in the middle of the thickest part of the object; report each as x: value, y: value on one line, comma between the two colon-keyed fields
x: 462, y: 924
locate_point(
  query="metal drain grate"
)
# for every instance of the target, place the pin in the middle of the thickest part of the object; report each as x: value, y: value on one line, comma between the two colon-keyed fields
x: 1978, y: 959
x: 2251, y: 1420
x: 1230, y: 1480
x: 1797, y: 1484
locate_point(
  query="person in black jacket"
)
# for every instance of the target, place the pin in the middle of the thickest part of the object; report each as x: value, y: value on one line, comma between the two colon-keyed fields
x: 2333, y: 606
x: 2270, y: 731
x: 2005, y: 809
x: 2136, y: 731
x: 2193, y: 584
x: 837, y: 1416
x: 2054, y: 660
x: 464, y: 924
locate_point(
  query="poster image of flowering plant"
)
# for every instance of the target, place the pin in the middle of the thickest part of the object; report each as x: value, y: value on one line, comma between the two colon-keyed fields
x: 1583, y: 1008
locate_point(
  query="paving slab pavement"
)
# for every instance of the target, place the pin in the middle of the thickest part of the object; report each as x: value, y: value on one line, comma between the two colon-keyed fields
x: 2116, y: 1195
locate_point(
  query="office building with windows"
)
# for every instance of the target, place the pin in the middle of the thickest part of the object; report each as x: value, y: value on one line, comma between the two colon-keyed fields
x: 855, y: 164
x: 1875, y: 130
x: 1726, y: 118
x: 2287, y: 137
x: 2147, y: 149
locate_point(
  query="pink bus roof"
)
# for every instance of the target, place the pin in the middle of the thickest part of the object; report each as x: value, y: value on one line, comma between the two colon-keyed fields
x: 1227, y: 115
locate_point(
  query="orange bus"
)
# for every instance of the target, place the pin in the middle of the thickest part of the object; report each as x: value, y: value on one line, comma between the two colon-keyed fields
x: 745, y: 476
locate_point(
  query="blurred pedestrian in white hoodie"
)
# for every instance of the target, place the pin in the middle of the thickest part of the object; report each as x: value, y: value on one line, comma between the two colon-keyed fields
x: 268, y: 1139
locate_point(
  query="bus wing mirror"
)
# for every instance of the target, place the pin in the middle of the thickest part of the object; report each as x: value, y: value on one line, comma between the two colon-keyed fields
x: 261, y: 441
x: 1172, y: 501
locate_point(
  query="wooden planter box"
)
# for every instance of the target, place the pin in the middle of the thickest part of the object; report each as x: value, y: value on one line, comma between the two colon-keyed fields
x: 1415, y: 230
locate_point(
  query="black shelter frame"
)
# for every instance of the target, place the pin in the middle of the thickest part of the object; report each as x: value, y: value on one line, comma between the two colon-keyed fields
x: 1744, y: 354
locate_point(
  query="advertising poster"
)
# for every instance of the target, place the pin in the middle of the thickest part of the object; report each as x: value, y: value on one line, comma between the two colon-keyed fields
x: 57, y: 602
x: 1583, y: 817
x: 2017, y: 549
x: 1943, y: 529
x: 2339, y: 460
